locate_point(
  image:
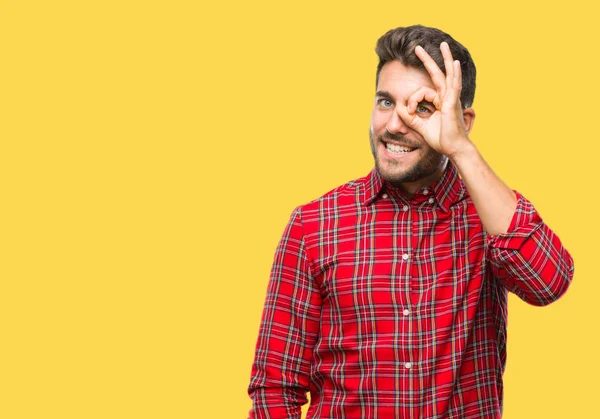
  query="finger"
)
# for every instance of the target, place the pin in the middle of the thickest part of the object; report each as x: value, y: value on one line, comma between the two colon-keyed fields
x: 423, y: 93
x: 457, y: 76
x: 448, y: 63
x: 452, y: 101
x: 413, y: 121
x: 453, y: 93
x: 436, y: 74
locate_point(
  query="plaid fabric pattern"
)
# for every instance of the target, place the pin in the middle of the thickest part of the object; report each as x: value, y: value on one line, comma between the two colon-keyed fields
x: 383, y: 307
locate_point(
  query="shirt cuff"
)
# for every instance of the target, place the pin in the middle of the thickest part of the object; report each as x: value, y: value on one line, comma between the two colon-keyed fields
x: 525, y: 221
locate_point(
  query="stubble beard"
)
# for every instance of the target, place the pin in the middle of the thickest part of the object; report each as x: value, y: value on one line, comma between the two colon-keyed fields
x: 427, y: 165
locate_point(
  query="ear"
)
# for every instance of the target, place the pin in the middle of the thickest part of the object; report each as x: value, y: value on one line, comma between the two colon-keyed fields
x: 469, y: 118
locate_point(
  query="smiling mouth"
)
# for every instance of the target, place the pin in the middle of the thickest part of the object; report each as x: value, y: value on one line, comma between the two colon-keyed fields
x: 398, y: 149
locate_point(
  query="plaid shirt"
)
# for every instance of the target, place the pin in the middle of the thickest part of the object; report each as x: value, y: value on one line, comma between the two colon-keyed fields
x: 384, y: 307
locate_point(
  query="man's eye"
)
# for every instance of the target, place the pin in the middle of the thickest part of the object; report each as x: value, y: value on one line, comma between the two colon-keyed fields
x: 422, y: 109
x: 385, y: 103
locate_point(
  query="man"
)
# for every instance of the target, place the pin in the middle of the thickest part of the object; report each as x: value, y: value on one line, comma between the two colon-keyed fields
x: 388, y: 295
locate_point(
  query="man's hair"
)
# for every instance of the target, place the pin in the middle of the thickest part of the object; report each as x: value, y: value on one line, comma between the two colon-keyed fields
x: 399, y: 44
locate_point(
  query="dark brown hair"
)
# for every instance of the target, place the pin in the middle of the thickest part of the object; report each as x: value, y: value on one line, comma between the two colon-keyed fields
x: 400, y: 43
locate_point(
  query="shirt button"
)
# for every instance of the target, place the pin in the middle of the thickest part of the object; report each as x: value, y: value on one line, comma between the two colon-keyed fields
x: 384, y: 195
x: 425, y: 191
x: 407, y: 365
x: 430, y: 200
x: 405, y: 208
x: 406, y: 312
x: 405, y: 256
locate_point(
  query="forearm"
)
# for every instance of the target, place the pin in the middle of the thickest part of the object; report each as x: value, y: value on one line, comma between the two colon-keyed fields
x: 524, y: 252
x: 494, y: 201
x: 530, y: 259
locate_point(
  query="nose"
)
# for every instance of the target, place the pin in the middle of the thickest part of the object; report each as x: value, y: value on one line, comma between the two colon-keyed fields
x: 395, y: 125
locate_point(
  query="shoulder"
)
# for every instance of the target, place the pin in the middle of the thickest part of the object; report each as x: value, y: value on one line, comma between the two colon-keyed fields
x: 350, y: 193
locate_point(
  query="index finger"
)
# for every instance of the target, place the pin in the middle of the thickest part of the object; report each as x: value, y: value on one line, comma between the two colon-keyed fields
x: 437, y: 76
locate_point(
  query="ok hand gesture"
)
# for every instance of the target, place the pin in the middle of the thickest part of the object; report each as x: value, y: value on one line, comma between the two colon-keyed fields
x: 444, y: 130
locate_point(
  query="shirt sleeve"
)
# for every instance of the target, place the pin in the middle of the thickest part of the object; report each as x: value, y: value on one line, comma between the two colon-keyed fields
x: 288, y: 331
x: 529, y: 258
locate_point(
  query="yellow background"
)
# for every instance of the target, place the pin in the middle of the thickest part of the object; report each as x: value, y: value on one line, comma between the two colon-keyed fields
x: 152, y: 152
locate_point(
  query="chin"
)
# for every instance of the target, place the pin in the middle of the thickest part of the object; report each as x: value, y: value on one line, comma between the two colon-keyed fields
x: 394, y: 173
x: 396, y: 178
x: 411, y: 172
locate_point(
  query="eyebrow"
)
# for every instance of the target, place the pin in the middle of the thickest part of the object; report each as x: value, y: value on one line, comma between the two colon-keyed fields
x: 384, y: 94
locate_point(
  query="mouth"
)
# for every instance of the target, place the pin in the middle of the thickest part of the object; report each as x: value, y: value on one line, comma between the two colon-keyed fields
x: 397, y: 150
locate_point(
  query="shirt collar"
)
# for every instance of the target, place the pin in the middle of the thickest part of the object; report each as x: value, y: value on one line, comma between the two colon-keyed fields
x: 446, y: 191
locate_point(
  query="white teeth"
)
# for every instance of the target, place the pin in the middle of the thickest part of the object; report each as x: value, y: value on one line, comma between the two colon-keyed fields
x: 397, y: 149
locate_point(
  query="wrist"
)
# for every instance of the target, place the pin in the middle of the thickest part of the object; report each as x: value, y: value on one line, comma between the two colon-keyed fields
x: 465, y: 152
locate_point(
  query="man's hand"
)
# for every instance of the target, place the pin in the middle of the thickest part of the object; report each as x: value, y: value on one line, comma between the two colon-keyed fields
x: 444, y: 130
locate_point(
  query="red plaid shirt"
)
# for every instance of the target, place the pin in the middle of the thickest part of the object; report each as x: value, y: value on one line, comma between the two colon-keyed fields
x: 384, y: 307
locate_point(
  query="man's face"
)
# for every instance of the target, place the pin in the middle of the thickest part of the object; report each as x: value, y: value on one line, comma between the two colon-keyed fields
x: 396, y: 84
